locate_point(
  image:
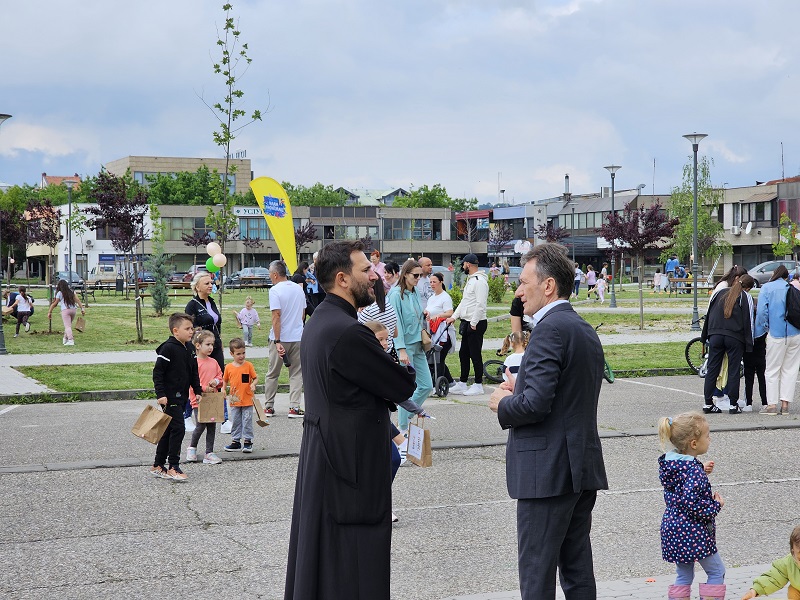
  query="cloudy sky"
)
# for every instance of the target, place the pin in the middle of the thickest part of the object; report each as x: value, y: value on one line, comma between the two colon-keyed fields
x: 368, y: 93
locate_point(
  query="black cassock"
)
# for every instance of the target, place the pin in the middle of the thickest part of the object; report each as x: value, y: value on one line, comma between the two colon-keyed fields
x: 341, y: 520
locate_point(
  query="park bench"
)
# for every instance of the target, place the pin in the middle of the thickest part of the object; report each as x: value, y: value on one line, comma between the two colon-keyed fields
x: 684, y: 284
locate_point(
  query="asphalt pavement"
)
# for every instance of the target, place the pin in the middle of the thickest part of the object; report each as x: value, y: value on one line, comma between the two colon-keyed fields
x: 81, y: 518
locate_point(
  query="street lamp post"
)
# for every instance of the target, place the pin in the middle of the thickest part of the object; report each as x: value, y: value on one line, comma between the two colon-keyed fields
x: 572, y: 232
x: 3, y: 350
x: 695, y: 138
x: 69, y: 185
x: 613, y: 303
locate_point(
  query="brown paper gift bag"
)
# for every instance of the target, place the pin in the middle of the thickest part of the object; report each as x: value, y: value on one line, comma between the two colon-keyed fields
x: 80, y: 324
x: 151, y: 424
x: 419, y: 445
x: 261, y: 419
x: 211, y: 408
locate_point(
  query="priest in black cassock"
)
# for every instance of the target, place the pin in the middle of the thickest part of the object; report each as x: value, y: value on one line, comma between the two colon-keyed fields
x: 341, y: 522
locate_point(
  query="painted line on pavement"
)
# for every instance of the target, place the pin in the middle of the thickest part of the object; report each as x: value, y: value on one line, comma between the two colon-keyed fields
x: 662, y: 387
x: 12, y: 407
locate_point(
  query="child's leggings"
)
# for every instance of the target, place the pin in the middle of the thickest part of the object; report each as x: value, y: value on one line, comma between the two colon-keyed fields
x: 712, y: 565
x: 209, y: 428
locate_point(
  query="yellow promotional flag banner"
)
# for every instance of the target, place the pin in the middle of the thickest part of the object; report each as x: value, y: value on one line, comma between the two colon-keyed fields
x: 277, y: 211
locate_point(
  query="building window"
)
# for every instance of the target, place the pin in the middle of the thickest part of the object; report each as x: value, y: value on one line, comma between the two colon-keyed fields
x: 255, y: 228
x: 176, y: 227
x: 756, y: 211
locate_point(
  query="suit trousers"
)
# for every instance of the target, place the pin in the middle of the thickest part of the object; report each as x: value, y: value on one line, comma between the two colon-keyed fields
x: 295, y: 374
x: 554, y: 533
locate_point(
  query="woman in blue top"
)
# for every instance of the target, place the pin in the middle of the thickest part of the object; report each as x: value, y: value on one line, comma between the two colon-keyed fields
x: 783, y: 343
x: 408, y: 343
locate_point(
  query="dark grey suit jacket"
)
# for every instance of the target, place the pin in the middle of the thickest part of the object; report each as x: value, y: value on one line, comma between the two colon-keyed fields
x: 553, y: 444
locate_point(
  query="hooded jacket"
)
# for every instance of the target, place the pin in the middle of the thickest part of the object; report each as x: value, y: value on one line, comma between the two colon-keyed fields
x: 472, y: 307
x: 175, y: 371
x: 688, y: 532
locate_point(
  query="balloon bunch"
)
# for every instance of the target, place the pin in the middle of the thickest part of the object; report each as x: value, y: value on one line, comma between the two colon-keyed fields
x: 216, y: 259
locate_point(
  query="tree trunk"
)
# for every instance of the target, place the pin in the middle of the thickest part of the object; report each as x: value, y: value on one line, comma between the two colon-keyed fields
x: 641, y: 297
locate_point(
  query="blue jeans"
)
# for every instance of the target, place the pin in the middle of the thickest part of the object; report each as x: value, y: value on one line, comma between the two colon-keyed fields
x: 712, y: 565
x: 423, y: 379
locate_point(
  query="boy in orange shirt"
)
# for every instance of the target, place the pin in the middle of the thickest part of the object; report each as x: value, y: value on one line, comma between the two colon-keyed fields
x: 240, y: 380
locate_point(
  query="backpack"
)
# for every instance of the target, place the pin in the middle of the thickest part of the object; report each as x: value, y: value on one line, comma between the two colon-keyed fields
x: 792, y: 314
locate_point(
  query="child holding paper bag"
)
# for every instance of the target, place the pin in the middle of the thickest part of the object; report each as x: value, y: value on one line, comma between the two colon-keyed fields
x: 211, y: 381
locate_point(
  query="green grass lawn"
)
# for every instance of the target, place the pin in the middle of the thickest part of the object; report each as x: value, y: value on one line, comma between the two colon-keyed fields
x: 81, y: 378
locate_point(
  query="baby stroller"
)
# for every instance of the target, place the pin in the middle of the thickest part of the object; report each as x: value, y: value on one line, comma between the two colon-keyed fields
x: 440, y: 384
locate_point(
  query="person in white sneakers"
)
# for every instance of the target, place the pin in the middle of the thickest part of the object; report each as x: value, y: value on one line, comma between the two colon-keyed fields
x: 472, y: 312
x: 287, y: 304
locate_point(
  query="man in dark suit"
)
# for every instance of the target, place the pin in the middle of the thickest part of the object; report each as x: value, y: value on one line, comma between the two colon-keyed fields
x: 554, y: 462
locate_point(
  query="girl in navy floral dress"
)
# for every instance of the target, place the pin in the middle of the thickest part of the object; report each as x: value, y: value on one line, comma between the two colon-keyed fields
x: 687, y: 530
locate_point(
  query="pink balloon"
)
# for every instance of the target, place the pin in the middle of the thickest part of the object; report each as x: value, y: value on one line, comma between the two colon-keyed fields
x: 219, y: 260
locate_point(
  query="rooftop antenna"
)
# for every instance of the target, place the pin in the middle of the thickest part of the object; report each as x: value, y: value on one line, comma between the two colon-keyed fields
x: 783, y: 173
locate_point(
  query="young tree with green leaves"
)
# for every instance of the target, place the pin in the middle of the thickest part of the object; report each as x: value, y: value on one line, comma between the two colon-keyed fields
x: 316, y: 195
x: 158, y: 264
x: 710, y: 241
x: 232, y: 65
x: 787, y: 237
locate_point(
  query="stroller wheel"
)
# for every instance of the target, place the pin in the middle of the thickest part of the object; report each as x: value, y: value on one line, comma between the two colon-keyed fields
x: 442, y: 387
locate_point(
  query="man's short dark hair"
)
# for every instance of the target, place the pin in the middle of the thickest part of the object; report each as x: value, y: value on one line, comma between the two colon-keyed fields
x: 176, y: 318
x: 333, y: 258
x: 552, y: 261
x: 279, y: 267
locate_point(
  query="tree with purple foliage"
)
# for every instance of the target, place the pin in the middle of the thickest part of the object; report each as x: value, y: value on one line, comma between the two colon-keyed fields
x: 122, y: 207
x: 251, y: 244
x: 43, y: 226
x: 304, y: 235
x: 639, y: 230
x: 499, y: 236
x: 550, y: 233
x: 195, y: 240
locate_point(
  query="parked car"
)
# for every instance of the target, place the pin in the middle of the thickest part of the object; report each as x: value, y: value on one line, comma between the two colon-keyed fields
x: 763, y: 273
x: 77, y: 281
x: 193, y: 270
x: 249, y: 277
x: 144, y: 277
x: 103, y: 273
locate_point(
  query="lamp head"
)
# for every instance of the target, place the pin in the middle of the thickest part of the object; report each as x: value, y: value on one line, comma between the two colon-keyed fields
x: 3, y: 117
x: 70, y: 184
x: 612, y: 169
x: 695, y: 138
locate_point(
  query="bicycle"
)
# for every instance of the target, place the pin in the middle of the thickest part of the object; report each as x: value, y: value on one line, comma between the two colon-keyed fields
x: 493, y: 370
x: 696, y: 353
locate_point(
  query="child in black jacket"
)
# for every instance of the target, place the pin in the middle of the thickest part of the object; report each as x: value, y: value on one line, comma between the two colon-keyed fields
x: 174, y: 372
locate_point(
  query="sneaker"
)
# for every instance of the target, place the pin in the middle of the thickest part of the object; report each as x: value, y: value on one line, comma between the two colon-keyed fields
x: 69, y: 343
x: 159, y: 472
x: 458, y: 388
x: 188, y: 423
x: 248, y: 447
x: 394, y: 518
x: 176, y: 474
x: 269, y: 412
x: 747, y: 408
x: 27, y: 327
x: 296, y: 413
x: 191, y: 454
x: 16, y: 335
x: 476, y: 389
x: 226, y: 427
x: 770, y: 409
x: 63, y: 341
x: 711, y: 409
x: 233, y: 446
x: 735, y: 409
x: 211, y: 459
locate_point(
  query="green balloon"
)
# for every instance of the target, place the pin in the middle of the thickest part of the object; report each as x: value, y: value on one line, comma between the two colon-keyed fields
x: 210, y: 266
